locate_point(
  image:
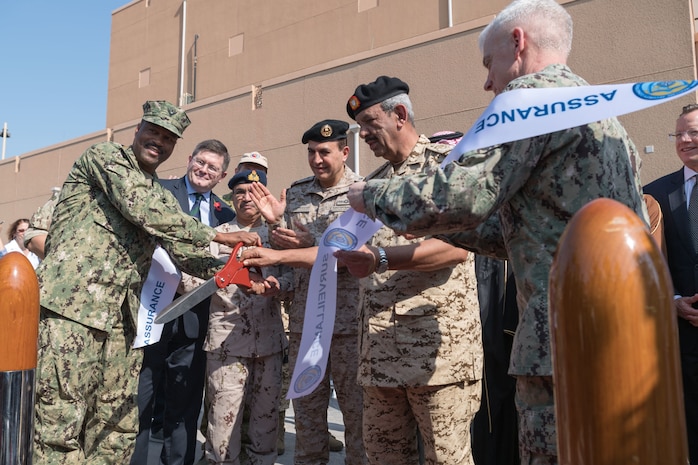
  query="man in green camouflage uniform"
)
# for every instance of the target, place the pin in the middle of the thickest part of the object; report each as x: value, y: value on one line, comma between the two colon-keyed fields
x: 420, y: 361
x: 514, y: 200
x: 311, y: 204
x: 110, y: 216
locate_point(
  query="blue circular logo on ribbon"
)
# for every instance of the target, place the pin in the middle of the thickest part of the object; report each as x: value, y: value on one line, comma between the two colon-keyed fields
x: 662, y: 89
x: 341, y: 239
x: 307, y: 378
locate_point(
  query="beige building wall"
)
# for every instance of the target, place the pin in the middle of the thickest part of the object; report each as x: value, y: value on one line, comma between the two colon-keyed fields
x: 257, y: 74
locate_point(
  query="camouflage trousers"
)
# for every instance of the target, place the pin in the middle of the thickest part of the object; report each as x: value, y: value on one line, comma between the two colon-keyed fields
x: 443, y: 415
x: 236, y: 385
x: 536, y: 409
x: 310, y: 411
x: 87, y: 380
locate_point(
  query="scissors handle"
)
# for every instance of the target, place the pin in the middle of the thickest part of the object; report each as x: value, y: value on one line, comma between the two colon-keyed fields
x: 234, y: 272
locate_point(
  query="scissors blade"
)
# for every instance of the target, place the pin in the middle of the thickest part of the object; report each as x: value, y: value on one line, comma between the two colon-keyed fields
x: 187, y: 301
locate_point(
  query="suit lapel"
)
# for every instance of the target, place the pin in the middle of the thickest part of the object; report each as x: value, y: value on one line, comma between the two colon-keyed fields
x: 677, y: 204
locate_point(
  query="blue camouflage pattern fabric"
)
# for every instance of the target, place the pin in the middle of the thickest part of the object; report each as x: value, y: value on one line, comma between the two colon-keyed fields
x: 534, y: 185
x: 105, y: 226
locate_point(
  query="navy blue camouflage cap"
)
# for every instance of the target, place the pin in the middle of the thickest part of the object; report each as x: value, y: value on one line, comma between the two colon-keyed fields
x: 166, y: 115
x: 246, y: 177
x: 326, y: 130
x: 374, y: 92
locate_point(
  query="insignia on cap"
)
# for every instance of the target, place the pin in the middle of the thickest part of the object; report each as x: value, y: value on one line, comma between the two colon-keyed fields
x: 253, y: 176
x: 354, y: 102
x: 326, y: 130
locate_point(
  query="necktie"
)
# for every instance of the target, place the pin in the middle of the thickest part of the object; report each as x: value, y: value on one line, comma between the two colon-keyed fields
x: 693, y: 215
x: 196, y: 208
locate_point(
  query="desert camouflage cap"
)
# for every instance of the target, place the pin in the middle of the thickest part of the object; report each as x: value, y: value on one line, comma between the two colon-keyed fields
x: 166, y: 115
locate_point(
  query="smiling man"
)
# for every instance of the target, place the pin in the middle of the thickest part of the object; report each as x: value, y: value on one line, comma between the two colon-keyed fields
x: 174, y: 369
x: 514, y: 200
x: 301, y: 216
x: 678, y: 198
x: 110, y: 216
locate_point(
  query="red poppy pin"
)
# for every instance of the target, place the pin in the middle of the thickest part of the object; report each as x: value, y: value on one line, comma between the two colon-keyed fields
x: 217, y: 205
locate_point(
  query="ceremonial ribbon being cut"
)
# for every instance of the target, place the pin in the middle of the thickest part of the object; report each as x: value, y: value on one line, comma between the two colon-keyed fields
x: 513, y: 115
x: 158, y: 291
x: 348, y: 232
x: 523, y: 113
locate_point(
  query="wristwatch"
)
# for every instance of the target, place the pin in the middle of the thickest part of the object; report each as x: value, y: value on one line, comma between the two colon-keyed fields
x: 382, y: 266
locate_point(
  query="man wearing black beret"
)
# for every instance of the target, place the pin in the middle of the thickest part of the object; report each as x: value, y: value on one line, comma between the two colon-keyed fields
x: 301, y: 217
x: 421, y: 357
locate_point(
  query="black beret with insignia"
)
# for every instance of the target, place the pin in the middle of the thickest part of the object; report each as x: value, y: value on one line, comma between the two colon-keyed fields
x: 381, y: 89
x: 246, y: 177
x: 326, y: 130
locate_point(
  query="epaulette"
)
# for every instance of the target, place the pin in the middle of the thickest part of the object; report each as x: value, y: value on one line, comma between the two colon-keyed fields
x: 438, y: 151
x: 303, y: 181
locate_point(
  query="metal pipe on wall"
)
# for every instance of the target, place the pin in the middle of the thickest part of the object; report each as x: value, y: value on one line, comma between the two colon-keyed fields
x: 183, y: 57
x: 354, y: 129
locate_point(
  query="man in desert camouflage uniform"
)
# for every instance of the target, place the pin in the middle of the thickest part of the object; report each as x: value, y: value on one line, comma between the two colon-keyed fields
x: 110, y: 216
x: 520, y: 196
x: 421, y: 350
x: 311, y: 204
x: 35, y: 235
x: 244, y: 350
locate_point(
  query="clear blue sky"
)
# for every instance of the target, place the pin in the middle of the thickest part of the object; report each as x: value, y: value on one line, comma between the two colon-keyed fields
x: 54, y: 70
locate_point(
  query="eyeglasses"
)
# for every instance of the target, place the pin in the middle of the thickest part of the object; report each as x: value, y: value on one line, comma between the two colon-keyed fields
x: 692, y: 134
x: 213, y: 170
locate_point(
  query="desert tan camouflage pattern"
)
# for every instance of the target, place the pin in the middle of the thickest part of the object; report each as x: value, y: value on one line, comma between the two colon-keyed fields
x: 419, y: 328
x: 233, y: 383
x: 310, y: 411
x: 307, y: 203
x: 534, y: 186
x: 420, y: 341
x: 244, y: 353
x: 443, y: 412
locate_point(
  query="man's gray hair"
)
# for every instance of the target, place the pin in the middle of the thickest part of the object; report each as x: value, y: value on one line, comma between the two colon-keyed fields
x: 547, y: 24
x: 388, y: 105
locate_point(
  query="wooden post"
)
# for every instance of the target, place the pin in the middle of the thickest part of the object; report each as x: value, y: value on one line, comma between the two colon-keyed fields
x: 19, y: 329
x: 618, y: 394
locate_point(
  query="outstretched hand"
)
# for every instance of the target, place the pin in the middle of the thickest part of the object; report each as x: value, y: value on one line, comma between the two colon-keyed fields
x: 232, y: 238
x: 272, y: 209
x: 356, y: 196
x: 292, y: 238
x: 360, y: 263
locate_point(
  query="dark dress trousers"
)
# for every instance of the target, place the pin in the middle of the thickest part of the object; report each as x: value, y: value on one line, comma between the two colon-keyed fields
x: 174, y: 369
x: 683, y: 266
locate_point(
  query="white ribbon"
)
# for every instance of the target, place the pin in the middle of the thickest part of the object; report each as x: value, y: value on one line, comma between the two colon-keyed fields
x: 158, y: 292
x: 522, y: 113
x: 513, y: 115
x: 348, y: 232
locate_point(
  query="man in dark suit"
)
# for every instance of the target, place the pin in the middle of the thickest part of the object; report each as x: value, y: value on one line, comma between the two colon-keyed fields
x: 677, y: 197
x: 174, y: 369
